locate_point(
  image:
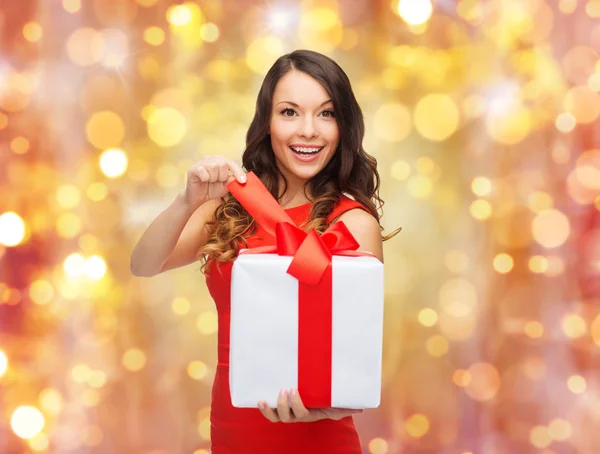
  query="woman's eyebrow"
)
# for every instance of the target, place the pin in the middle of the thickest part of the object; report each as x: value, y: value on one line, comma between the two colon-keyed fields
x: 296, y: 105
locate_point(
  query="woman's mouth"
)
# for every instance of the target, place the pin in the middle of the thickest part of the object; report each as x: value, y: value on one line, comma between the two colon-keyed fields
x: 306, y: 153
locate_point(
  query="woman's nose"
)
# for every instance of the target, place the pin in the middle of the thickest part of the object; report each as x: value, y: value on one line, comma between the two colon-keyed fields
x: 308, y: 127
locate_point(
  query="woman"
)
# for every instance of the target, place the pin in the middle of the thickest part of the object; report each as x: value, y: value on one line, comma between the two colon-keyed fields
x: 305, y: 144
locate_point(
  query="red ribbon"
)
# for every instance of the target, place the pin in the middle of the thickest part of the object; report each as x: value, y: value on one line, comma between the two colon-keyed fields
x: 311, y: 265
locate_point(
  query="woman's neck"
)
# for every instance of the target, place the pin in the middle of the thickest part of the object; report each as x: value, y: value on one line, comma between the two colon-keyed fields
x: 294, y: 192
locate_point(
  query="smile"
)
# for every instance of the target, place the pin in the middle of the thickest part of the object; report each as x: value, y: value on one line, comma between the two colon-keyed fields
x: 306, y: 151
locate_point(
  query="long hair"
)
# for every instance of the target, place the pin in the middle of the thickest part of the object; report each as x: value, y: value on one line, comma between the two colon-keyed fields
x: 351, y: 170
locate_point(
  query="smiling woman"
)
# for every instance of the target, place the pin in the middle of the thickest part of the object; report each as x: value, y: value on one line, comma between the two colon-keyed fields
x: 305, y: 145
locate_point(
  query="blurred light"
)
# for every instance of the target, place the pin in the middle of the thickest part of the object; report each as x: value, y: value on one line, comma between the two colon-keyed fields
x: 592, y: 8
x: 573, y: 326
x: 68, y: 196
x: 116, y: 48
x: 27, y: 422
x: 415, y: 12
x: 503, y: 263
x: 567, y: 6
x: 534, y: 368
x: 12, y: 229
x: 417, y: 425
x: 481, y: 186
x: 539, y: 201
x: 201, y: 451
x: 3, y: 363
x: 461, y: 377
x: 436, y: 117
x: 92, y: 435
x: 583, y: 103
x: 71, y: 6
x: 95, y: 267
x: 209, y: 32
x: 556, y: 266
x: 180, y: 305
x: 577, y: 384
x: 39, y: 442
x: 538, y: 264
x: 428, y: 317
x: 81, y: 373
x: 470, y: 10
x: 392, y: 122
x: 400, y: 170
x: 204, y: 428
x: 534, y: 329
x: 73, y: 265
x: 97, y: 191
x: 51, y: 401
x: 105, y: 130
x: 167, y: 127
x: 197, y: 370
x: 97, y: 379
x: 378, y: 446
x: 565, y: 122
x: 419, y: 186
x: 551, y: 228
x: 262, y: 53
x: 32, y: 31
x: 425, y: 165
x: 595, y: 330
x: 207, y: 322
x: 68, y: 225
x: 539, y: 437
x: 147, y: 3
x: 154, y: 35
x: 480, y: 209
x: 19, y: 145
x: 560, y: 429
x: 282, y: 19
x: 320, y: 29
x: 485, y: 382
x: 179, y: 15
x: 437, y: 345
x: 3, y: 120
x: 113, y: 162
x: 90, y: 398
x: 85, y: 46
x: 593, y: 82
x: 41, y: 291
x: 134, y: 360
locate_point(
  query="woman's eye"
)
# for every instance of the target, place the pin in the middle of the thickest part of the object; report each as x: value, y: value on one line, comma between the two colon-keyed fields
x: 287, y: 110
x: 330, y: 112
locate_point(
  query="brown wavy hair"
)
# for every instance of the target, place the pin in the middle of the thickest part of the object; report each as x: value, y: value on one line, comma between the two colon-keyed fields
x: 351, y: 170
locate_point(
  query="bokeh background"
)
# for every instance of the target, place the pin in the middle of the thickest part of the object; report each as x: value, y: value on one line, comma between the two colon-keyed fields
x: 483, y: 115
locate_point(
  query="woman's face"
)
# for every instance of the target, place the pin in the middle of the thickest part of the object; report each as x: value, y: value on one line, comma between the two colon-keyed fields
x: 304, y: 132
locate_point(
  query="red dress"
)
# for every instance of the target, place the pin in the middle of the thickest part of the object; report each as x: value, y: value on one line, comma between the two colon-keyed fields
x: 246, y: 430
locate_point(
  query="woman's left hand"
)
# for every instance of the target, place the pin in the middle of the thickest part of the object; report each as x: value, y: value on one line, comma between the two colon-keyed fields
x: 291, y: 409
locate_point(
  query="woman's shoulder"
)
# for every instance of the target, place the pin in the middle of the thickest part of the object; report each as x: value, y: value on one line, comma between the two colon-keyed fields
x: 346, y: 203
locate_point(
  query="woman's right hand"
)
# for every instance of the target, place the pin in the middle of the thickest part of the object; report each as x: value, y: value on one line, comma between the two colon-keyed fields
x: 208, y: 179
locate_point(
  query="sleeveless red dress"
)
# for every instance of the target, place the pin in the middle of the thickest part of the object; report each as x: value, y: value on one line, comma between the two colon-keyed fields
x: 246, y: 430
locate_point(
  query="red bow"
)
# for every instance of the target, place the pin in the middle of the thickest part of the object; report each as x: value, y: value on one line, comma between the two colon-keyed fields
x: 312, y: 252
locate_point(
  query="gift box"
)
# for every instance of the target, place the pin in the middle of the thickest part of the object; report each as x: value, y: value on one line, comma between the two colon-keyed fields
x: 306, y: 313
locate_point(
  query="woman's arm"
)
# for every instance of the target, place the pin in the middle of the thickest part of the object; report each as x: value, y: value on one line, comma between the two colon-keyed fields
x: 365, y: 228
x: 173, y: 238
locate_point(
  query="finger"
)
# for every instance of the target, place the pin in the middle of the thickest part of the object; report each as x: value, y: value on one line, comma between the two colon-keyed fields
x: 202, y: 174
x: 223, y: 171
x: 237, y: 171
x: 268, y: 412
x: 298, y: 408
x: 283, y: 406
x: 213, y: 171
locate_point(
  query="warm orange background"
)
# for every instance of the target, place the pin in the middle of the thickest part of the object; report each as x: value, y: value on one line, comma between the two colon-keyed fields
x: 483, y: 116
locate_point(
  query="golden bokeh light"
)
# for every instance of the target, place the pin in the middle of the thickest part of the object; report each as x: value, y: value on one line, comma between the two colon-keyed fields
x: 134, y: 360
x: 167, y: 127
x: 485, y: 382
x: 534, y: 329
x: 197, y: 370
x: 583, y: 104
x: 378, y: 446
x: 400, y: 170
x: 437, y: 345
x: 85, y: 46
x: 262, y: 52
x: 415, y: 12
x: 539, y: 437
x: 210, y: 32
x: 560, y: 429
x: 481, y: 186
x: 12, y: 229
x: 95, y: 267
x: 462, y: 378
x: 180, y: 305
x: 428, y: 317
x: 113, y: 162
x: 574, y: 326
x: 51, y: 401
x: 392, y: 122
x: 207, y: 322
x: 577, y: 384
x: 105, y: 129
x: 27, y: 421
x: 68, y: 196
x: 551, y: 228
x: 71, y: 6
x: 154, y: 35
x: 436, y: 117
x: 32, y: 31
x: 3, y: 363
x: 503, y: 263
x: 480, y: 209
x: 417, y: 425
x: 41, y: 292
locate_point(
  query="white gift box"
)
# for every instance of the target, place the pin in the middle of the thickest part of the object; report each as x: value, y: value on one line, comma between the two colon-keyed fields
x: 264, y: 330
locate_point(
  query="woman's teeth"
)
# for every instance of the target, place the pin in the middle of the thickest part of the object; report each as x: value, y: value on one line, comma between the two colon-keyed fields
x: 302, y: 151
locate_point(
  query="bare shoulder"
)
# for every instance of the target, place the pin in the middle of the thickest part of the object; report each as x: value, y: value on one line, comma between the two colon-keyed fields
x: 365, y: 228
